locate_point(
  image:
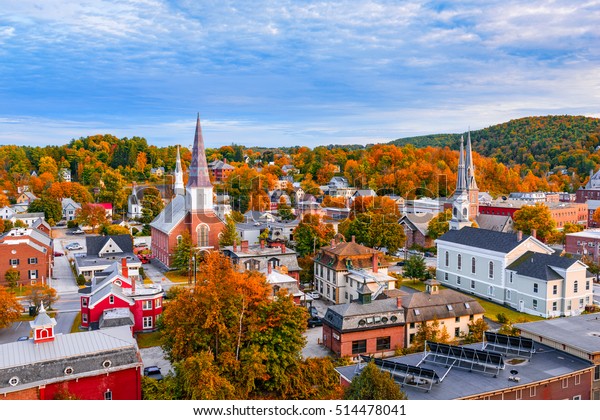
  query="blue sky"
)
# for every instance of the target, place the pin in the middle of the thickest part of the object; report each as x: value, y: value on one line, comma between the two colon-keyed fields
x: 290, y: 72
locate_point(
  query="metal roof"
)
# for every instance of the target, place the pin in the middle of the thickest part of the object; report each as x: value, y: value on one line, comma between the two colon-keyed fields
x: 484, y: 239
x: 172, y: 214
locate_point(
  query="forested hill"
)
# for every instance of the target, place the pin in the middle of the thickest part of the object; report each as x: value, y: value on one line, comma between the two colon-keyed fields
x: 540, y: 143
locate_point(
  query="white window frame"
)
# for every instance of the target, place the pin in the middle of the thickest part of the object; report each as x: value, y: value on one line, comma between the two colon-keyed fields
x: 491, y: 290
x: 459, y: 262
x: 147, y: 322
x: 491, y: 270
x: 111, y: 299
x: 32, y: 260
x: 33, y: 274
x: 158, y: 303
x: 473, y: 265
x: 565, y: 383
x: 533, y: 391
x: 84, y: 302
x: 84, y: 317
x: 577, y: 379
x: 146, y: 305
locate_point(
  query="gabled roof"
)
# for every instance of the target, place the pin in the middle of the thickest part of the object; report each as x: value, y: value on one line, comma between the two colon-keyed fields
x: 418, y: 221
x: 68, y: 202
x: 495, y: 222
x: 95, y: 244
x: 485, y: 239
x: 365, y: 193
x: 542, y: 266
x: 171, y: 216
x: 435, y: 306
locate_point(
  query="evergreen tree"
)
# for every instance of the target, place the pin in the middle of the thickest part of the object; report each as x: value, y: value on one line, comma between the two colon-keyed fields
x: 229, y: 235
x: 374, y: 384
x: 183, y: 253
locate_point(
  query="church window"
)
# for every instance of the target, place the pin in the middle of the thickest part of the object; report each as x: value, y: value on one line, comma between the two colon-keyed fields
x: 447, y: 258
x: 202, y: 231
x: 491, y: 270
x: 473, y: 265
x: 459, y: 261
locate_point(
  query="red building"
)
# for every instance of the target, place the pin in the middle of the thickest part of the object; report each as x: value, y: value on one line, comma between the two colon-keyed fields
x: 364, y: 327
x: 191, y: 210
x: 112, y: 298
x: 92, y: 365
x: 29, y: 252
x: 220, y: 170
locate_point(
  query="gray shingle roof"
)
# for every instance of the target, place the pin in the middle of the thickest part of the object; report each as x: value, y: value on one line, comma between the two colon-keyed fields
x: 484, y: 239
x: 436, y: 306
x: 538, y: 266
x: 94, y: 244
x: 347, y: 316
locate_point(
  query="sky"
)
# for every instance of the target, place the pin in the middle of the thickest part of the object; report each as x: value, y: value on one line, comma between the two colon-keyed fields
x: 290, y: 72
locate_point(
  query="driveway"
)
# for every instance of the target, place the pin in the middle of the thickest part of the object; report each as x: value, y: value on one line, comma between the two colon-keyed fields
x: 155, y: 356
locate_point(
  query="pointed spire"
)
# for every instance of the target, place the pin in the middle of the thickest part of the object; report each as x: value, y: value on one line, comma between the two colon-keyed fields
x: 469, y: 168
x: 198, y: 169
x: 178, y: 187
x: 461, y: 184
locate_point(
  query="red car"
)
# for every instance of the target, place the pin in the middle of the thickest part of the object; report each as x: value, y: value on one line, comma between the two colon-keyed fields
x: 58, y: 254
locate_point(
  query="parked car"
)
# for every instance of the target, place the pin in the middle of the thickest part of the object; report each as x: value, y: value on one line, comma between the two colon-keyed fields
x: 74, y: 246
x: 153, y: 372
x: 313, y: 311
x: 314, y: 295
x: 400, y: 263
x: 23, y: 338
x: 141, y: 245
x: 58, y: 254
x: 429, y: 254
x: 315, y: 321
x: 77, y: 232
x: 62, y: 223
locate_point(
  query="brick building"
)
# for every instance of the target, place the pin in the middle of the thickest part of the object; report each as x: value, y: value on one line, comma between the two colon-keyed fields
x: 415, y: 229
x: 562, y: 213
x: 92, y: 365
x: 261, y: 257
x: 29, y: 251
x: 220, y: 170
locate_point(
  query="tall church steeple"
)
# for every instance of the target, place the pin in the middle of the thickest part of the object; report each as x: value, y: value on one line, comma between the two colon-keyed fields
x: 199, y: 193
x: 472, y: 188
x: 460, y: 200
x: 178, y: 187
x: 461, y: 180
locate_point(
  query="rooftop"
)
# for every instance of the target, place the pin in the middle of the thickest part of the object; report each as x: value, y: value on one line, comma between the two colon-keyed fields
x: 482, y: 238
x: 545, y: 364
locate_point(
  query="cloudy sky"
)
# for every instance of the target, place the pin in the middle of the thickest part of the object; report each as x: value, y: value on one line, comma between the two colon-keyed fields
x: 290, y: 72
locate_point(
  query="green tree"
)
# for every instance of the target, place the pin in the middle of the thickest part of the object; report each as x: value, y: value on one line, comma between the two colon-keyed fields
x: 415, y: 267
x: 51, y: 208
x: 229, y: 235
x: 284, y: 211
x: 536, y: 217
x: 152, y: 204
x: 429, y: 331
x: 311, y: 235
x: 12, y: 277
x: 114, y: 189
x: 183, y: 253
x: 476, y: 331
x: 439, y: 224
x: 374, y: 384
x: 377, y: 230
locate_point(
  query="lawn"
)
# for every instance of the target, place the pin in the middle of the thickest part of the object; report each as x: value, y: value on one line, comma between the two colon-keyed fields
x: 146, y: 340
x: 76, y: 324
x: 491, y: 309
x: 177, y: 277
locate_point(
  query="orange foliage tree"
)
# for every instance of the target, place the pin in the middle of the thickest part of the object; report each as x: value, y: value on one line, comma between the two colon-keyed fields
x: 10, y: 308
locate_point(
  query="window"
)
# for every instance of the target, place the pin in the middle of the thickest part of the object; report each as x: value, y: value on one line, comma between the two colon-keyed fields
x: 458, y: 280
x: 473, y: 265
x: 535, y: 303
x: 412, y: 325
x: 146, y: 304
x: 111, y: 299
x: 554, y: 306
x: 491, y: 270
x: 147, y: 322
x: 14, y: 261
x: 577, y: 379
x: 511, y: 277
x: 577, y: 397
x: 535, y: 287
x: 457, y: 332
x: 202, y: 232
x: 108, y: 395
x: 597, y: 373
x: 450, y: 308
x: 32, y: 260
x: 508, y: 296
x: 457, y: 319
x: 33, y: 274
x: 359, y: 346
x: 472, y: 284
x: 471, y: 317
x: 411, y: 338
x: 467, y: 305
x: 491, y: 290
x: 587, y: 285
x: 158, y: 303
x: 565, y: 382
x: 575, y: 286
x: 519, y: 394
x: 581, y: 303
x: 445, y: 276
x: 84, y: 317
x: 383, y: 343
x: 533, y: 391
x: 84, y: 302
x: 447, y: 257
x: 179, y: 239
x: 568, y: 305
x: 459, y: 261
x: 555, y: 289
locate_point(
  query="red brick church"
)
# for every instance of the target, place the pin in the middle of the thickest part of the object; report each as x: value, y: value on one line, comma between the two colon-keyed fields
x: 190, y: 210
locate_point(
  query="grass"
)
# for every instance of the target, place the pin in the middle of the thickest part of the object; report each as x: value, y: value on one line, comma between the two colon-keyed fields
x: 176, y: 277
x: 491, y: 309
x: 146, y: 340
x: 148, y: 281
x: 76, y: 323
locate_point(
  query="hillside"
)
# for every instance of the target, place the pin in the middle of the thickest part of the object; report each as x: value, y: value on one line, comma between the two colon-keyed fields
x: 540, y: 143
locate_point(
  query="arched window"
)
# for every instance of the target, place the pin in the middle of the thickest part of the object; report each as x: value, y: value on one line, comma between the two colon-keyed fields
x: 491, y: 270
x: 179, y: 239
x: 459, y: 261
x: 473, y: 265
x: 202, y: 231
x: 447, y: 258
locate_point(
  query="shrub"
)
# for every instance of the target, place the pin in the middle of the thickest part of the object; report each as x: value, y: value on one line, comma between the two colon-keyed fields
x: 502, y: 318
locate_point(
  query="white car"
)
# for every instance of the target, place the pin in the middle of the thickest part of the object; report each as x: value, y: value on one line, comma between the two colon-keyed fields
x: 314, y: 295
x: 74, y: 246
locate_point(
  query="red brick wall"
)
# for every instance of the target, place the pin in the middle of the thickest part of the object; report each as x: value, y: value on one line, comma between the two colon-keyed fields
x: 23, y: 252
x: 343, y: 346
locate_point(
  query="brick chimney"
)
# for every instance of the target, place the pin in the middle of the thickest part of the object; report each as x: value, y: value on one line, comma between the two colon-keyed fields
x: 283, y: 248
x: 244, y: 246
x: 262, y: 244
x: 124, y: 268
x: 269, y: 268
x: 519, y: 235
x: 353, y: 238
x: 375, y: 263
x: 534, y: 233
x: 224, y: 160
x: 399, y: 302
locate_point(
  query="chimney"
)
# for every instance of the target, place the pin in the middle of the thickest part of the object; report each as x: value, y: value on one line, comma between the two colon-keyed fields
x: 124, y: 268
x: 353, y: 238
x: 262, y: 244
x: 244, y: 246
x: 534, y: 233
x: 283, y: 248
x: 333, y: 243
x: 269, y: 268
x: 519, y: 235
x: 224, y: 160
x: 375, y: 263
x: 399, y: 302
x: 234, y: 246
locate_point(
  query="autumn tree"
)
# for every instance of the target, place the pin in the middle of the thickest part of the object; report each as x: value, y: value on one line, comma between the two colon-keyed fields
x: 183, y: 253
x: 110, y: 230
x: 114, y: 189
x: 152, y: 204
x: 92, y: 215
x: 310, y: 235
x: 477, y: 330
x: 377, y: 230
x: 536, y: 217
x: 48, y: 165
x: 229, y: 235
x: 41, y: 293
x: 439, y: 224
x: 10, y: 307
x: 429, y: 331
x: 596, y: 216
x: 373, y: 384
x: 12, y: 277
x: 284, y: 210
